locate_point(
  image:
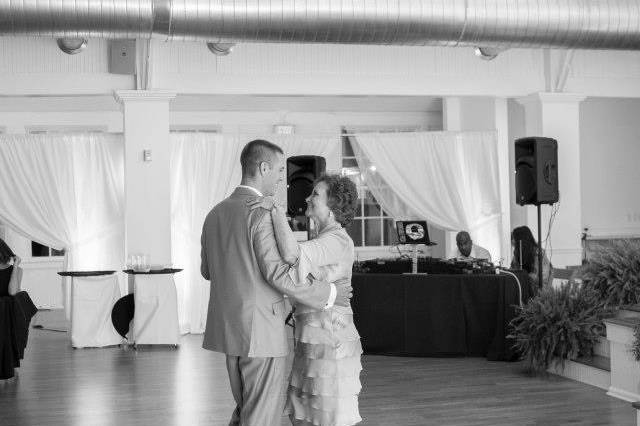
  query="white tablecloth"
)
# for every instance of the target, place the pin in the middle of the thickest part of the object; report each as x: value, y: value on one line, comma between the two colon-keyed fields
x: 92, y: 299
x: 156, y: 317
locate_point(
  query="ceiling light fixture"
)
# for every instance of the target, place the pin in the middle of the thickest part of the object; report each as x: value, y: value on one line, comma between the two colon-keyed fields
x: 487, y: 53
x: 71, y: 46
x: 221, y: 49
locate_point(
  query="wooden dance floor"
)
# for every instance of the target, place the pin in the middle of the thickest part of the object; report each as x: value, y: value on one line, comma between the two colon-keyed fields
x: 58, y: 385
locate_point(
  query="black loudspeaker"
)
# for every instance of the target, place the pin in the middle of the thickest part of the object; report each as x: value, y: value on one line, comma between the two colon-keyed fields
x: 302, y: 171
x: 536, y: 171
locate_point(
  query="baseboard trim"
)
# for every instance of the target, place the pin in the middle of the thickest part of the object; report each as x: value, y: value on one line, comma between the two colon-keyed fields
x: 623, y: 394
x: 582, y: 373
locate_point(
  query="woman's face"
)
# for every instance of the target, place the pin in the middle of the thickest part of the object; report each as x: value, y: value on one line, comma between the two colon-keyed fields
x: 317, y: 207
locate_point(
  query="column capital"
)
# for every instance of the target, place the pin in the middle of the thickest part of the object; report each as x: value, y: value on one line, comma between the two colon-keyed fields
x: 551, y: 98
x: 123, y: 96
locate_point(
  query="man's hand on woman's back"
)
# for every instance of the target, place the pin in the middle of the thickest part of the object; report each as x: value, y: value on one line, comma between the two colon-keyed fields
x: 344, y: 293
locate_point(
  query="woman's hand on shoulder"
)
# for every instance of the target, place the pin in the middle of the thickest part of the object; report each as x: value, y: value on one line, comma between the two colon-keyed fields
x: 16, y: 261
x: 267, y: 202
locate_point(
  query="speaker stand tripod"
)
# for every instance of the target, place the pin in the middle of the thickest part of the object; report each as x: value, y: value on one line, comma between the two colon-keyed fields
x: 539, y: 247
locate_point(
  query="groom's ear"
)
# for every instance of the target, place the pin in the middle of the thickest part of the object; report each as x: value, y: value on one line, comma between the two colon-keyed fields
x: 264, y: 167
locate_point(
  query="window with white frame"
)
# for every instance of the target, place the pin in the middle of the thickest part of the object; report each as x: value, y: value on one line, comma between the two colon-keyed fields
x: 40, y: 250
x: 372, y: 226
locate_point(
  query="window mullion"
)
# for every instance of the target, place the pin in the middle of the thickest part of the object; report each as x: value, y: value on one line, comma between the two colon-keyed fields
x: 362, y: 224
x: 381, y: 228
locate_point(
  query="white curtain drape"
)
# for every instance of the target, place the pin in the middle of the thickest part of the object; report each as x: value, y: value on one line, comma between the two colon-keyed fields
x: 66, y: 191
x: 448, y: 178
x: 205, y: 168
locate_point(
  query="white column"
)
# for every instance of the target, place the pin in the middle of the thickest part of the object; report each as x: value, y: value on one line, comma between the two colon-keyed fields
x: 147, y: 183
x: 557, y: 116
x: 501, y: 122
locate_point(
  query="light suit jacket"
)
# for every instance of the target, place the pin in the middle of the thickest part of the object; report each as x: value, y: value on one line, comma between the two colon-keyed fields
x: 248, y: 280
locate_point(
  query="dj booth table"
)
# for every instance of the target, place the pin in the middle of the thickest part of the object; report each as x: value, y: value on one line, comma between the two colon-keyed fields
x: 437, y: 315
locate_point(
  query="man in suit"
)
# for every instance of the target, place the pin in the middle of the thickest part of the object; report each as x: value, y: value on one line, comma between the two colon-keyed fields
x: 248, y: 280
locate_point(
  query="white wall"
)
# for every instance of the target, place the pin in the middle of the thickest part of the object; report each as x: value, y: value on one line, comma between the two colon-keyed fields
x: 610, y: 156
x: 609, y: 153
x: 23, y: 121
x: 35, y: 66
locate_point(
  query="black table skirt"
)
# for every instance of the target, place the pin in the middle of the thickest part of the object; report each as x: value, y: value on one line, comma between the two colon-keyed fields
x: 436, y: 315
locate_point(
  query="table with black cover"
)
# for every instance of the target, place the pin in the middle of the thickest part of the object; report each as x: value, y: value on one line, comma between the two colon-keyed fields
x: 437, y: 315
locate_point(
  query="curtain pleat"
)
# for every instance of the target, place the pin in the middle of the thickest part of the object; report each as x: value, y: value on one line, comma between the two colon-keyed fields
x: 448, y: 178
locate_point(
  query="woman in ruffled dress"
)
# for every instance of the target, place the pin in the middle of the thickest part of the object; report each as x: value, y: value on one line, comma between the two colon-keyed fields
x: 325, y: 378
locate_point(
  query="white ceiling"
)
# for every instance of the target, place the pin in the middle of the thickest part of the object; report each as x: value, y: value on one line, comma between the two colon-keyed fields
x: 231, y: 103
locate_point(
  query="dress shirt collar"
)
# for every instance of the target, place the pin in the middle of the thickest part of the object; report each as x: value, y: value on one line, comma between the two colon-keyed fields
x: 251, y: 188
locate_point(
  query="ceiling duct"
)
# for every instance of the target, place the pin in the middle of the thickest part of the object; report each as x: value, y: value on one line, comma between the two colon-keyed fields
x: 588, y: 24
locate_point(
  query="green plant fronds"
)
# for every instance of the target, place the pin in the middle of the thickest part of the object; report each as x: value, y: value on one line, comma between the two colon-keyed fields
x: 565, y: 323
x: 614, y: 273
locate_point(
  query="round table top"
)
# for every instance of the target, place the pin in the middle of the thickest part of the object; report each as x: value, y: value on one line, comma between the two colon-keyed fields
x: 84, y: 273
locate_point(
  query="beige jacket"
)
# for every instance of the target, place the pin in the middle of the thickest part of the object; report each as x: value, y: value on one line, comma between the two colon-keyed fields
x: 248, y: 280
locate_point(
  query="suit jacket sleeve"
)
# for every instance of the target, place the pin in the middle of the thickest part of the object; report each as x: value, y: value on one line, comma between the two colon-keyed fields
x: 324, y: 250
x: 276, y: 271
x: 204, y: 263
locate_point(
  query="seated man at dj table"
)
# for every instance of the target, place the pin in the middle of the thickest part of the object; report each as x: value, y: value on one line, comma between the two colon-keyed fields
x: 467, y: 250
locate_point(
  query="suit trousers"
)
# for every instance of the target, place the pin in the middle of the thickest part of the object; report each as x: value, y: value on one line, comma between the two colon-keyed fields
x: 257, y: 385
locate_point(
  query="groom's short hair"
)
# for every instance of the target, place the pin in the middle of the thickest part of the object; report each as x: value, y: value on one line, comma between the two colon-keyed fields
x: 255, y: 152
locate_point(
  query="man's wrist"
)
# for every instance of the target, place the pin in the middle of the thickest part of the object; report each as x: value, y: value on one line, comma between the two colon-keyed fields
x: 333, y: 293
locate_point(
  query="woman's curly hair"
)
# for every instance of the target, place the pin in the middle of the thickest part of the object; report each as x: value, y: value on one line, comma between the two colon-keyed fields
x: 342, y: 197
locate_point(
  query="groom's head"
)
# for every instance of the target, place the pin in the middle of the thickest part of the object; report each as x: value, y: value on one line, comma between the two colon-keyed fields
x: 262, y: 165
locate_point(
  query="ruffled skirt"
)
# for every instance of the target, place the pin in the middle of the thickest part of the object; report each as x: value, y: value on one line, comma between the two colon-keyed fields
x: 325, y: 378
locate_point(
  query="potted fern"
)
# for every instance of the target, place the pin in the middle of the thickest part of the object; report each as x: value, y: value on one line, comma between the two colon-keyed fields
x: 561, y: 323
